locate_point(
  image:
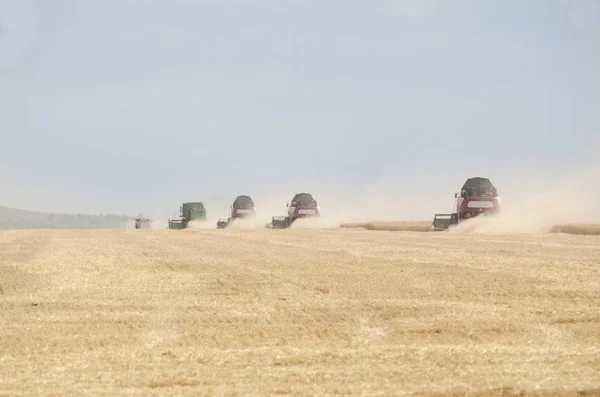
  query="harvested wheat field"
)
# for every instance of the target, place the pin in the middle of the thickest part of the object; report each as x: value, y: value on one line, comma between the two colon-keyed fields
x: 298, y: 312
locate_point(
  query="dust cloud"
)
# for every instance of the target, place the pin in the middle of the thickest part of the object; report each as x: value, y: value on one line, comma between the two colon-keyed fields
x: 207, y: 224
x: 159, y: 224
x: 532, y: 202
x: 372, y: 203
x: 252, y: 222
x: 572, y: 199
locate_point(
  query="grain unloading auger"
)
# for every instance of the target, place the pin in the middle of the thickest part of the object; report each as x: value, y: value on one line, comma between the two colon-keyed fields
x: 303, y: 205
x: 188, y: 212
x: 242, y: 208
x: 478, y: 196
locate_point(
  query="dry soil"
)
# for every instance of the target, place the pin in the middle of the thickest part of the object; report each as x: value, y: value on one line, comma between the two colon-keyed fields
x: 298, y: 312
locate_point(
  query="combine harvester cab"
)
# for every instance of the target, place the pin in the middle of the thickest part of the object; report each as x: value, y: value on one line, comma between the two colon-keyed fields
x: 303, y: 205
x: 188, y: 212
x: 478, y: 196
x: 242, y: 208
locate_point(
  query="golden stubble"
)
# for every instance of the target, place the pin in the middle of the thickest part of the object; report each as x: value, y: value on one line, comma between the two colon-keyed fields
x: 298, y: 312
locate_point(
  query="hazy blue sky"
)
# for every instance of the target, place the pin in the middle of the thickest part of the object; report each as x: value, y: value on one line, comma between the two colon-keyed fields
x: 131, y: 105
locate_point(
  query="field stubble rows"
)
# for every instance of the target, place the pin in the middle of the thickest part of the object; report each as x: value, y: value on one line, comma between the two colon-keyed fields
x: 398, y: 226
x: 298, y: 312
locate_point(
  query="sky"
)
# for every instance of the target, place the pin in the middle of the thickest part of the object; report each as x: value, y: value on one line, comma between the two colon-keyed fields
x: 128, y: 106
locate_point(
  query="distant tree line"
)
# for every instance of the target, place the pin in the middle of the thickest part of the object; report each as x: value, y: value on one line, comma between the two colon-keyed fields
x: 11, y: 218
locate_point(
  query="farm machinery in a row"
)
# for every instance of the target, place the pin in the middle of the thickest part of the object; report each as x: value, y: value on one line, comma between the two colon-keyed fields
x: 302, y: 205
x: 477, y: 197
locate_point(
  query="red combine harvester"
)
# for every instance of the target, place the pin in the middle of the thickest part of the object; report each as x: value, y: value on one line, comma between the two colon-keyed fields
x: 477, y: 197
x: 242, y: 208
x: 303, y: 205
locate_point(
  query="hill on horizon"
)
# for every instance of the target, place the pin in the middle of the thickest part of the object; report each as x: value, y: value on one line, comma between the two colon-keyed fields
x: 12, y: 218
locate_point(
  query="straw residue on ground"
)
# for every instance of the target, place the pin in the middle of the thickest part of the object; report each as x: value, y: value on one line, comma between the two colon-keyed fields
x: 399, y: 226
x: 298, y: 312
x: 473, y: 226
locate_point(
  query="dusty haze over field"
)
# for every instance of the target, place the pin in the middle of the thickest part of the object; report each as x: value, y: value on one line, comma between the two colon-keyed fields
x: 380, y: 109
x: 531, y: 206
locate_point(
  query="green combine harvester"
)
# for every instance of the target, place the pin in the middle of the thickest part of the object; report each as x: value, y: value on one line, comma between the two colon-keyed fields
x: 188, y: 212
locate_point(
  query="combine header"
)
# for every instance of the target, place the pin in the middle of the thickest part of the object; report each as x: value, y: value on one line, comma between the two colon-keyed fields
x: 477, y: 197
x: 242, y: 208
x: 303, y: 205
x: 188, y: 212
x: 143, y: 223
